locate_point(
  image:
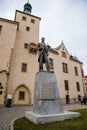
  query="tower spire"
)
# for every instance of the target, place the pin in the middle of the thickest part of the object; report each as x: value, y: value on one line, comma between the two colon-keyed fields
x: 27, y: 8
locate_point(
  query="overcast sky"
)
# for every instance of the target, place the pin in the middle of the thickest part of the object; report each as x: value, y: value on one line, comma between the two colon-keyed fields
x: 61, y: 20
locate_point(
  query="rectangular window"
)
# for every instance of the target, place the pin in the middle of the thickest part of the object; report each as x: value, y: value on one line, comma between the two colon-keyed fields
x: 66, y: 84
x: 0, y: 92
x: 64, y: 54
x: 76, y: 71
x: 0, y: 84
x: 78, y: 86
x: 1, y: 87
x: 24, y: 67
x: 21, y: 95
x: 51, y: 63
x: 24, y: 18
x: 32, y: 21
x: 65, y: 67
x: 25, y: 45
x: 0, y: 29
x: 27, y: 28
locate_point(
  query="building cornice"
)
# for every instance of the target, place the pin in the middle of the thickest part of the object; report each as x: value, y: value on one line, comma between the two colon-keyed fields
x: 26, y: 14
x: 53, y: 51
x: 75, y: 60
x: 10, y: 21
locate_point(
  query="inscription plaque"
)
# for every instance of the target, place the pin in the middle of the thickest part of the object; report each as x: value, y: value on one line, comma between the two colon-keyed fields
x: 47, y: 91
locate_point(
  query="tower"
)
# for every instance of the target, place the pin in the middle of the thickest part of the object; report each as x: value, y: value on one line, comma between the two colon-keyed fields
x: 27, y: 8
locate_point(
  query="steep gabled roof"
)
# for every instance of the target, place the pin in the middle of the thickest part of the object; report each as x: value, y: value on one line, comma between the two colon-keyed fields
x: 73, y: 58
x: 62, y: 45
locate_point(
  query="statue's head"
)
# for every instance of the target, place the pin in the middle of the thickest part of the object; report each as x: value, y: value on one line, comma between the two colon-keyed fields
x: 42, y: 39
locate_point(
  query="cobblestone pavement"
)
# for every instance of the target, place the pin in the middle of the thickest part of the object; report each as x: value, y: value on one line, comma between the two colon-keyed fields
x: 9, y: 114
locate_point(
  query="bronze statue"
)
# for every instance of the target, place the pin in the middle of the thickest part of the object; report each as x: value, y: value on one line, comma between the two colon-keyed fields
x: 43, y: 55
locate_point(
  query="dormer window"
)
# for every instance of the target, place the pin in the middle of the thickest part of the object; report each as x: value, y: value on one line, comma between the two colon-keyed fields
x: 64, y: 54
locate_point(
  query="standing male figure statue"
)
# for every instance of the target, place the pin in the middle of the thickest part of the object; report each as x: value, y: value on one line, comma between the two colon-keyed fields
x: 43, y: 55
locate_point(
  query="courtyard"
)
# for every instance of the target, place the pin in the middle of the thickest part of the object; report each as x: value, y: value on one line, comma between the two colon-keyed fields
x: 7, y: 114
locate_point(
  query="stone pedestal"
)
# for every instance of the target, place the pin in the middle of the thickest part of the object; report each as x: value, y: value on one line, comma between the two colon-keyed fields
x: 43, y: 119
x: 47, y: 103
x: 46, y: 95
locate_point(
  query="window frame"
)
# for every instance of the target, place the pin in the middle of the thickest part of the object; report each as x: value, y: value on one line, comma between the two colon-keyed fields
x: 78, y: 86
x: 21, y: 95
x: 65, y: 67
x: 24, y: 18
x: 27, y: 28
x: 1, y: 92
x: 24, y: 67
x: 76, y: 70
x: 0, y: 84
x: 66, y: 85
x: 51, y: 65
x: 25, y: 45
x: 0, y: 29
x: 33, y: 21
